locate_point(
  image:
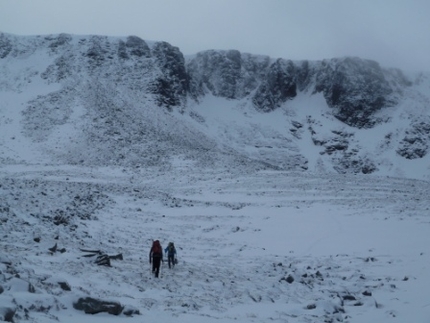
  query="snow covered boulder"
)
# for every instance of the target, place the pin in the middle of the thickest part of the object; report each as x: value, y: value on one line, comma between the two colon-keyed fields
x: 18, y: 285
x: 93, y: 306
x: 130, y: 311
x: 54, y: 283
x: 4, y: 260
x: 7, y: 309
x: 6, y: 313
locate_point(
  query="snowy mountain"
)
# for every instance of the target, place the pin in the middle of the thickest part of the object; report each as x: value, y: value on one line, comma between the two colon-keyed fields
x: 124, y: 101
x: 294, y: 191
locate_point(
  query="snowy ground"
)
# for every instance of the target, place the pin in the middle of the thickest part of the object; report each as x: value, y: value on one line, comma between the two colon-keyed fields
x: 253, y: 245
x: 261, y: 247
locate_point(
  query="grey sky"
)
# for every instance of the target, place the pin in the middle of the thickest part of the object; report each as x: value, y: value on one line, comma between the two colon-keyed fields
x: 393, y: 32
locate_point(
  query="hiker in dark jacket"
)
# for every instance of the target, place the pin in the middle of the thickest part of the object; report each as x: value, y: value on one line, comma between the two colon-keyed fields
x: 171, y: 253
x: 156, y: 257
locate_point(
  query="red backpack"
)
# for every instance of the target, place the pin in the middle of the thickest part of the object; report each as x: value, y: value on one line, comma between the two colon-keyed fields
x: 156, y: 247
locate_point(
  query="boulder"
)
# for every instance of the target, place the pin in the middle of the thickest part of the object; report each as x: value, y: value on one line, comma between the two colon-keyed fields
x: 93, y: 306
x: 7, y: 309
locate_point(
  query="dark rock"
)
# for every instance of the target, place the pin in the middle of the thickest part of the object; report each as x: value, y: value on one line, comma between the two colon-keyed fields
x: 367, y: 293
x: 354, y: 88
x: 290, y: 279
x: 416, y: 142
x: 304, y: 75
x: 60, y: 217
x: 65, y: 286
x: 297, y: 124
x: 130, y: 311
x: 137, y: 47
x: 279, y: 86
x: 229, y: 74
x: 93, y: 306
x: 5, y: 46
x: 31, y: 288
x: 96, y: 52
x: 338, y: 309
x: 54, y: 248
x: 7, y: 313
x: 223, y: 72
x: 172, y: 87
x: 344, y: 152
x: 59, y: 41
x: 348, y: 298
x: 39, y: 308
x: 122, y: 50
x: 311, y: 307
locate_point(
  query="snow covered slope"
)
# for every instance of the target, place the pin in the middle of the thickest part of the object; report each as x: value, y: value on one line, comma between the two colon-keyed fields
x: 269, y: 246
x: 101, y: 101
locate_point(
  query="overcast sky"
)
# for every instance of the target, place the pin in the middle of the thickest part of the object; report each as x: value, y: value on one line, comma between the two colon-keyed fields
x: 396, y: 33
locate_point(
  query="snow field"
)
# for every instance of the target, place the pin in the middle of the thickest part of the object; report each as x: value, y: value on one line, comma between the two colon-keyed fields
x: 263, y: 247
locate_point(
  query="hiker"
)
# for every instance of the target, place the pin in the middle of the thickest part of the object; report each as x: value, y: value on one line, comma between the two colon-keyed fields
x: 156, y: 257
x: 171, y: 252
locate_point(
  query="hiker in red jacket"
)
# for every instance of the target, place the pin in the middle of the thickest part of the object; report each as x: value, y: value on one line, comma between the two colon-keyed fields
x: 156, y: 257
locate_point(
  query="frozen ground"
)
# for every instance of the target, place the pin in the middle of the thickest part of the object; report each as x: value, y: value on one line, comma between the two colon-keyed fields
x: 252, y: 247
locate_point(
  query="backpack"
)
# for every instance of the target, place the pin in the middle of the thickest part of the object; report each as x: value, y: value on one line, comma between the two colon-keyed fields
x: 171, y: 248
x: 156, y: 247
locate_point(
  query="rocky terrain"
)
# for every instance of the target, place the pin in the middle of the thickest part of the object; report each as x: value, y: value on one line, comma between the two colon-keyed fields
x: 269, y: 246
x: 140, y: 103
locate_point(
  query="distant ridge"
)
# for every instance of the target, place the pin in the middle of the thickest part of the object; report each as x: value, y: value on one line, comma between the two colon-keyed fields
x: 98, y: 100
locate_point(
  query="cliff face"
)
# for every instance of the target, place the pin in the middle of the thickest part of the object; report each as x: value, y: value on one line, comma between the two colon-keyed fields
x: 121, y: 96
x: 354, y: 88
x: 227, y: 74
x: 129, y: 62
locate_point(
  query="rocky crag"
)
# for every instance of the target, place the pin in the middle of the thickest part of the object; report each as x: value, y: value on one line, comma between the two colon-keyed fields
x: 135, y: 103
